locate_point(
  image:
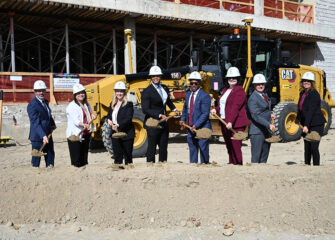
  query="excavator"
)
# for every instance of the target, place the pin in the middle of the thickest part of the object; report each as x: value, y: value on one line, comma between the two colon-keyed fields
x: 250, y: 54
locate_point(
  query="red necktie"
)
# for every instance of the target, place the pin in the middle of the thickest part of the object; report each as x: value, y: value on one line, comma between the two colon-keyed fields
x: 191, y: 110
x: 265, y: 98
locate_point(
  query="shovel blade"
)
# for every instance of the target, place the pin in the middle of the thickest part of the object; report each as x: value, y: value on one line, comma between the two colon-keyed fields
x: 37, y: 153
x: 240, y: 136
x: 74, y: 138
x: 119, y: 135
x: 203, y: 133
x: 313, y: 136
x: 273, y: 139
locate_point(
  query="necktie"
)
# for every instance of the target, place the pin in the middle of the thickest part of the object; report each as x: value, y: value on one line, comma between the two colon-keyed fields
x: 46, y: 107
x: 265, y: 98
x: 191, y: 110
x: 160, y: 91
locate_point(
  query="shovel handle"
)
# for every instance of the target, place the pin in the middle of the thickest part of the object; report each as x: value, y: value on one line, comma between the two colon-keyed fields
x: 89, y: 123
x: 223, y: 121
x: 188, y: 126
x: 167, y: 118
x: 43, y: 145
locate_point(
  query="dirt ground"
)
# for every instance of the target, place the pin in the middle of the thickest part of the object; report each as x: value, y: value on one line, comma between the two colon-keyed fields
x: 283, y: 199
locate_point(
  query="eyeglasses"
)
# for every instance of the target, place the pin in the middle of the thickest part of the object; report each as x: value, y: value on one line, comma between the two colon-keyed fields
x: 303, y: 80
x: 260, y: 84
x: 194, y: 83
x: 232, y: 79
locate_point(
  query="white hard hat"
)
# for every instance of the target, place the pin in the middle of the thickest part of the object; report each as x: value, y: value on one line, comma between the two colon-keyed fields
x: 155, y: 71
x: 259, y: 78
x: 233, y: 72
x: 120, y: 86
x: 194, y: 76
x: 308, y: 76
x: 39, y: 84
x: 78, y: 88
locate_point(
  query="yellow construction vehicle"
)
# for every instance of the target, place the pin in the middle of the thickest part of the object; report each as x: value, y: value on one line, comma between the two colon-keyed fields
x: 233, y: 50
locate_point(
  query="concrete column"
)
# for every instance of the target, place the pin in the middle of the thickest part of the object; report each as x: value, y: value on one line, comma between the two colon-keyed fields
x: 1, y: 54
x: 114, y: 53
x: 155, y: 48
x: 67, y: 47
x: 12, y: 42
x: 259, y: 7
x: 129, y: 23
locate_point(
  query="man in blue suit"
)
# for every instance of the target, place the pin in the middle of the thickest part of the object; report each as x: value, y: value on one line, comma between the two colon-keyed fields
x: 196, y: 114
x: 41, y: 125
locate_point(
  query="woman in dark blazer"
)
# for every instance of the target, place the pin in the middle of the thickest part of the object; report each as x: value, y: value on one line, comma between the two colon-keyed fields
x: 231, y: 107
x: 310, y: 116
x: 120, y: 118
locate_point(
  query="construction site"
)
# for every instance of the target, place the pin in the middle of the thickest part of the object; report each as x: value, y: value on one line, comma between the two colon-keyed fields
x: 96, y: 43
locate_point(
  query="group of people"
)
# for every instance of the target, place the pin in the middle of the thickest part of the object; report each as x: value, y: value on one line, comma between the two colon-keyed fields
x: 231, y: 106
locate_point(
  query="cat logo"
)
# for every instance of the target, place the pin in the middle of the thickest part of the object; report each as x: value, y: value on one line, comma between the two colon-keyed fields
x: 288, y: 74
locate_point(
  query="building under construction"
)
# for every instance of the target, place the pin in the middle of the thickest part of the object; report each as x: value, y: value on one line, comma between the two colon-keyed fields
x: 41, y: 39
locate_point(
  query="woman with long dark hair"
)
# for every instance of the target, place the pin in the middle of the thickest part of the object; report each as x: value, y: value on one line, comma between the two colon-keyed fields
x: 310, y: 116
x: 79, y: 114
x: 231, y: 107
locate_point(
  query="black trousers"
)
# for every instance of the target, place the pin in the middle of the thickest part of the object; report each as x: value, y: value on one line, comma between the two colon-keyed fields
x: 160, y: 137
x: 312, y: 148
x: 79, y: 151
x: 122, y: 148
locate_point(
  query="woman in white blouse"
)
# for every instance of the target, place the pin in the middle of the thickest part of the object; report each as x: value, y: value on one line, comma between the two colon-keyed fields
x: 79, y: 114
x: 232, y: 108
x: 120, y: 119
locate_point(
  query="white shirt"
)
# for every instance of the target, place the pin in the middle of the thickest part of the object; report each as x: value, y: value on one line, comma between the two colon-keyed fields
x: 194, y: 97
x: 114, y: 114
x: 223, y: 101
x: 159, y: 89
x: 74, y: 115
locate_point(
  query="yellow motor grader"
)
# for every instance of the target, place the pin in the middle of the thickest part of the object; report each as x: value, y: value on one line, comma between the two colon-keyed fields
x: 233, y: 50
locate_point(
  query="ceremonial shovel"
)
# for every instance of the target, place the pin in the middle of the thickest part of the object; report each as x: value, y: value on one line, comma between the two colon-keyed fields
x: 237, y: 135
x: 203, y: 133
x: 76, y: 138
x: 154, y: 123
x: 39, y: 153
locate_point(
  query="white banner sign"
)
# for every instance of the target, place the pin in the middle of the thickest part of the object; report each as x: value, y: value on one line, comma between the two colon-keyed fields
x: 65, y: 82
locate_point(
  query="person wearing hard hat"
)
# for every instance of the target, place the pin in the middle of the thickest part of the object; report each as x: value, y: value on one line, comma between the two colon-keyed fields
x: 196, y: 114
x: 79, y: 115
x: 310, y: 116
x: 231, y: 107
x: 259, y: 106
x: 154, y: 100
x: 119, y: 117
x: 41, y: 125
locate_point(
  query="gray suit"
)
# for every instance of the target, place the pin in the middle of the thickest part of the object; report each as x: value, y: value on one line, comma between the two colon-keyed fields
x: 260, y: 115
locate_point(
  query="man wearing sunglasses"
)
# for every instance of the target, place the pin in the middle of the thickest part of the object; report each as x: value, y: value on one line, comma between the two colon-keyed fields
x: 196, y: 114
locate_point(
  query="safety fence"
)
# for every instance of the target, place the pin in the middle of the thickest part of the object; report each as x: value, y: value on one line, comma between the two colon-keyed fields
x: 284, y: 9
x: 18, y: 86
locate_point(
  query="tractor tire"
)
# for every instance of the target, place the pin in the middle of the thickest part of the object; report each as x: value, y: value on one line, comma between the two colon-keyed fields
x: 141, y: 136
x: 106, y: 136
x: 326, y: 112
x: 140, y: 141
x: 286, y: 127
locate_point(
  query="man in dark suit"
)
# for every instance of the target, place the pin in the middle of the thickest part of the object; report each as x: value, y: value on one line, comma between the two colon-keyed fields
x: 41, y: 125
x: 259, y: 106
x: 154, y: 100
x: 196, y: 114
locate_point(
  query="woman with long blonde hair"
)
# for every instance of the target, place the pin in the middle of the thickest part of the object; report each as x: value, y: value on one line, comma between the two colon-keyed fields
x: 120, y: 119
